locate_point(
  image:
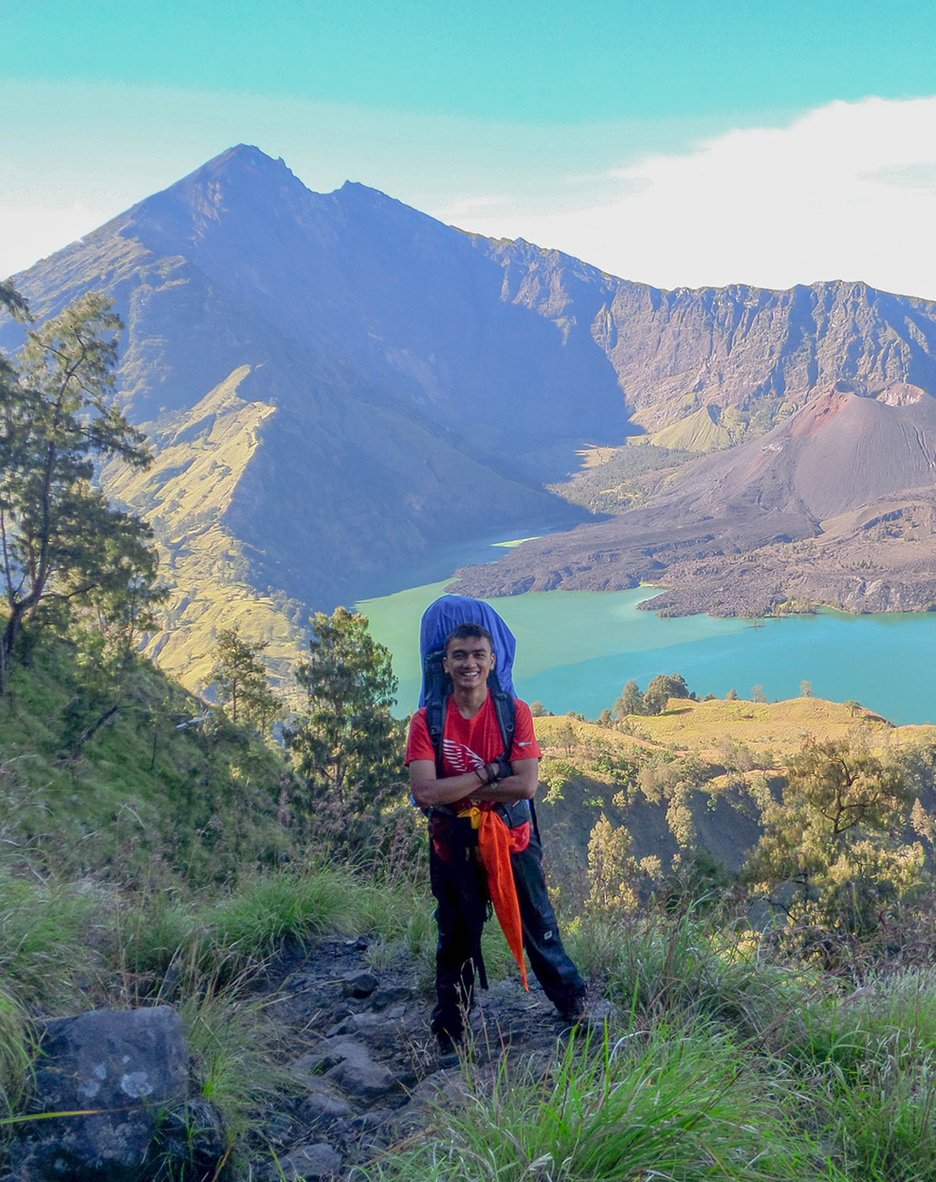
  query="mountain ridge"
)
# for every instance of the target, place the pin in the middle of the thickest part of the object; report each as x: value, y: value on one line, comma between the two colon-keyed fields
x: 430, y: 388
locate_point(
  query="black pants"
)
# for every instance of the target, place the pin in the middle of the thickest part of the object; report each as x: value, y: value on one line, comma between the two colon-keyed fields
x: 460, y: 889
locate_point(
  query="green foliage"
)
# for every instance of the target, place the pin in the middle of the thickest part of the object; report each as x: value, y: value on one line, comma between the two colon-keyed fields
x: 831, y: 849
x: 13, y: 302
x: 631, y: 701
x: 242, y: 683
x: 664, y: 777
x: 45, y: 927
x: 625, y: 478
x: 660, y: 1104
x: 869, y: 1064
x: 17, y: 1052
x: 695, y: 882
x: 616, y: 880
x: 63, y: 548
x: 346, y: 744
x: 684, y: 969
x: 235, y: 1045
x: 161, y: 794
x: 566, y: 737
x: 661, y: 689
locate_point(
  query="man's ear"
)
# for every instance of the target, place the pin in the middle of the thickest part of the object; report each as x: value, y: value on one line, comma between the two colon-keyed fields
x: 493, y: 659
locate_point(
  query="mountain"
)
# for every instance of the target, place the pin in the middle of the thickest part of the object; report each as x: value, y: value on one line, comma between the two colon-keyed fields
x: 836, y: 505
x: 339, y: 396
x: 346, y: 396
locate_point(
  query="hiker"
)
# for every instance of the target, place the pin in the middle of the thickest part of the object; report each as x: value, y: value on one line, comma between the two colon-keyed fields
x: 478, y: 798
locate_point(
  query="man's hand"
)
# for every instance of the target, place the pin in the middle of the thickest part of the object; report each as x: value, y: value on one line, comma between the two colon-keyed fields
x: 519, y: 784
x: 499, y: 769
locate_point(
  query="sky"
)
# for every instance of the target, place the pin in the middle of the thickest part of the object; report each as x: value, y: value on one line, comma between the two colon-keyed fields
x: 682, y: 143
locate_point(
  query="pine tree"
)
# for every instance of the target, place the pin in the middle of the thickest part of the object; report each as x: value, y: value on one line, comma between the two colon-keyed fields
x: 630, y: 701
x: 346, y: 744
x: 62, y: 547
x: 242, y: 682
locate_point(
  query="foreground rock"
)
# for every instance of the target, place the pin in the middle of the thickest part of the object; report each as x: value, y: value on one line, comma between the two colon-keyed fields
x: 122, y: 1081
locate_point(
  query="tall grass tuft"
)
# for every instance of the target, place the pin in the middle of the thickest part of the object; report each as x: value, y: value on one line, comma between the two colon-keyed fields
x: 17, y: 1052
x: 661, y: 967
x: 46, y: 927
x: 868, y: 1061
x: 661, y: 1104
x: 235, y: 1046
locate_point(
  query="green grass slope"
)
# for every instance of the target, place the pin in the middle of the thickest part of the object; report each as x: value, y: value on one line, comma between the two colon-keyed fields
x: 694, y: 778
x: 149, y: 793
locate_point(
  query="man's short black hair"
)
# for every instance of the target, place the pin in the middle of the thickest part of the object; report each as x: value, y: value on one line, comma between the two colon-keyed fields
x: 469, y: 632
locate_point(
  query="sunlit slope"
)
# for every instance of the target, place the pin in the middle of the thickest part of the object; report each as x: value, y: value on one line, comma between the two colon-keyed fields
x: 700, y: 431
x: 185, y: 496
x: 771, y: 730
x: 695, y: 777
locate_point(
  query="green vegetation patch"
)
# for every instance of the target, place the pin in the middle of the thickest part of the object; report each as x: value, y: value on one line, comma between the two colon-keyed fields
x: 613, y: 480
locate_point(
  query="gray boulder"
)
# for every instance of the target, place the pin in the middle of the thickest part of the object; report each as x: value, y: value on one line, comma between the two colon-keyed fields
x: 307, y: 1162
x: 123, y: 1078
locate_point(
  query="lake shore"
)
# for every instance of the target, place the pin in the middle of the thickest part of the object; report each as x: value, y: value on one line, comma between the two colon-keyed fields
x: 577, y: 649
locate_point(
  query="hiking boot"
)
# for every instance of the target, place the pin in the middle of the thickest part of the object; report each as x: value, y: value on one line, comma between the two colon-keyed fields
x: 575, y: 1011
x: 450, y: 1051
x: 585, y: 1018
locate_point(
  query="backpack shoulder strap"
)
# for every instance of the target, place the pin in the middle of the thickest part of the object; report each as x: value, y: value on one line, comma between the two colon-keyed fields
x: 436, y: 708
x: 505, y: 707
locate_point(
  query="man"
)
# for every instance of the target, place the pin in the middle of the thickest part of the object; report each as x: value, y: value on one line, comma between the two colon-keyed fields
x: 478, y: 799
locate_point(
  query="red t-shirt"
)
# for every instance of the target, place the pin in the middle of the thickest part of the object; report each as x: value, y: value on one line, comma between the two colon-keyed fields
x: 468, y: 743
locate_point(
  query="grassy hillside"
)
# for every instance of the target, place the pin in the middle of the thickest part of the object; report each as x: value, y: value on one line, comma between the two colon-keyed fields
x: 697, y: 776
x: 151, y: 793
x: 152, y: 863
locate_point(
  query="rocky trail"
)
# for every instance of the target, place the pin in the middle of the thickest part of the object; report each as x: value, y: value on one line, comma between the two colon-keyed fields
x: 118, y: 1098
x: 367, y: 1072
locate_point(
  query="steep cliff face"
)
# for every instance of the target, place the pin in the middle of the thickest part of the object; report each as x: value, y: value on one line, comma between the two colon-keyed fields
x: 756, y: 353
x: 754, y: 350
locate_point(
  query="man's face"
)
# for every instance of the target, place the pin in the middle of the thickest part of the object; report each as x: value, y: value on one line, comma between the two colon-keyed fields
x: 468, y: 661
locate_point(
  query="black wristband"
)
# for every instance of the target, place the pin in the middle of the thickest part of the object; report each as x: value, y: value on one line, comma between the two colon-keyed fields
x: 491, y: 770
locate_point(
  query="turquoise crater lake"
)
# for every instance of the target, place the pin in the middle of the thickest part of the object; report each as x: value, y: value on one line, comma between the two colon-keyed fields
x: 578, y: 648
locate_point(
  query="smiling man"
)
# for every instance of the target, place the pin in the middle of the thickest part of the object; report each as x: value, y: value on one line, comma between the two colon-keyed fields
x: 482, y: 843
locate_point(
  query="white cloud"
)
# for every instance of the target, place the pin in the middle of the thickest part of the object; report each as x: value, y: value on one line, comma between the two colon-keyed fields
x: 847, y: 191
x: 39, y: 229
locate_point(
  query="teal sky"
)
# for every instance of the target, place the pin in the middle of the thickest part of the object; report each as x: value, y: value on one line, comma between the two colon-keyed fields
x: 486, y: 114
x: 528, y: 62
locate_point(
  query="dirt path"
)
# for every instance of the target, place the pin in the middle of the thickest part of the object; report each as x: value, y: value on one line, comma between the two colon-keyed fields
x: 365, y: 1067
